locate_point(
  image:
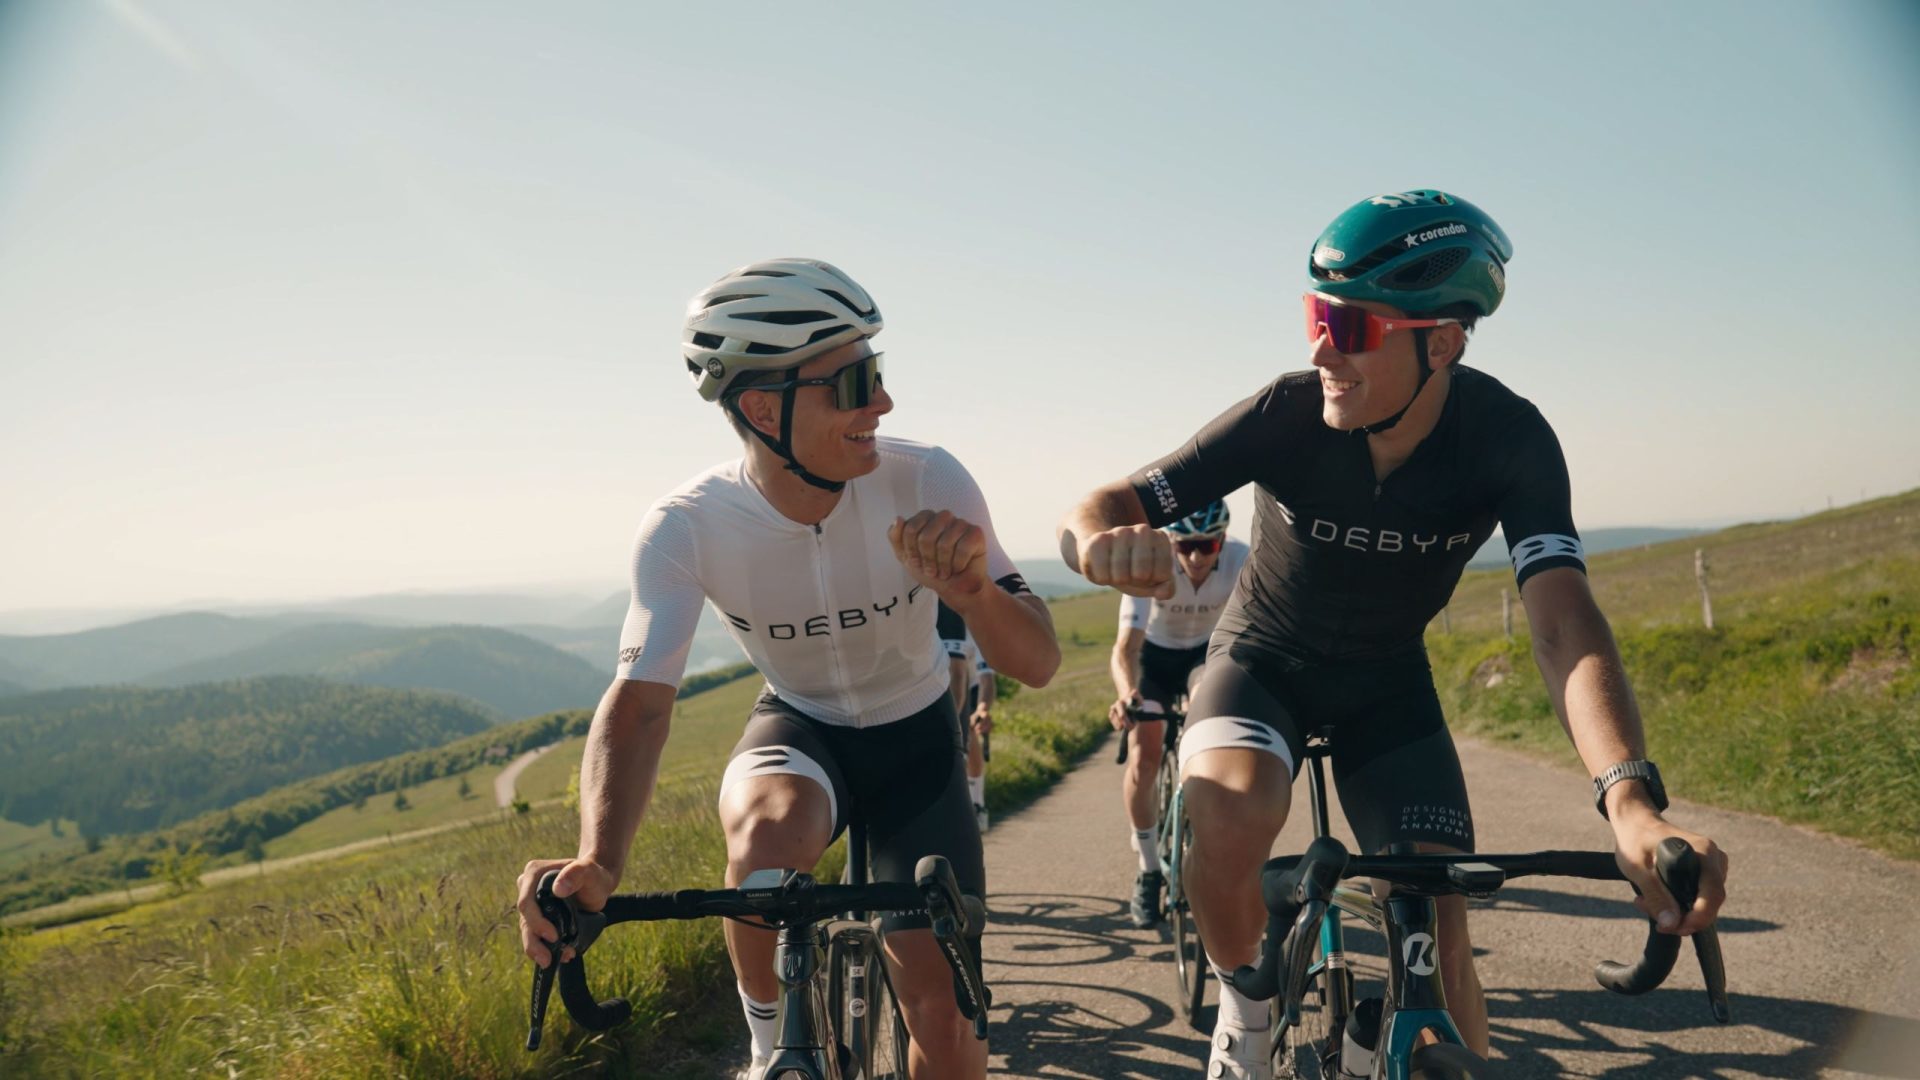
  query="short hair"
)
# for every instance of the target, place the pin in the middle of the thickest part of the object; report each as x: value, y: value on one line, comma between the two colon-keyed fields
x: 741, y: 382
x: 1464, y: 311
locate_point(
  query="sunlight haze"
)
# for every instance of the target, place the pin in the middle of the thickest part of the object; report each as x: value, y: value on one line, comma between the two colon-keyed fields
x: 306, y: 300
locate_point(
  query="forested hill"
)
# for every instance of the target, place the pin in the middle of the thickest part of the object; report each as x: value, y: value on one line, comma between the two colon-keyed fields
x: 126, y: 759
x: 507, y: 671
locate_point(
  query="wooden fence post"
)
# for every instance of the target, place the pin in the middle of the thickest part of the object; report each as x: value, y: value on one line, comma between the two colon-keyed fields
x: 1700, y: 575
x: 1506, y: 612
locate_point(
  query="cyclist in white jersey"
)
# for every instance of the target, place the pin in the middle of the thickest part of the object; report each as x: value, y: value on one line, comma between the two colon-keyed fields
x: 825, y: 549
x: 1158, y: 652
x: 974, y: 694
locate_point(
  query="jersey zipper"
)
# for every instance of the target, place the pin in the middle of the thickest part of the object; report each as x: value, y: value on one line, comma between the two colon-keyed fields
x: 833, y: 643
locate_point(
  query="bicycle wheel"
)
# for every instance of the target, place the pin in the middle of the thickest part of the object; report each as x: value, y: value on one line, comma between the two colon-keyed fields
x: 1165, y: 783
x: 1313, y: 1047
x: 1445, y: 1061
x: 861, y: 1006
x: 1189, y: 955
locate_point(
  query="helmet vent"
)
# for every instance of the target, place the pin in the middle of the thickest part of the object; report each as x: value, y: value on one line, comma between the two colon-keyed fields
x: 704, y: 340
x: 1428, y: 272
x: 856, y: 308
x: 731, y: 297
x: 765, y: 273
x: 785, y: 318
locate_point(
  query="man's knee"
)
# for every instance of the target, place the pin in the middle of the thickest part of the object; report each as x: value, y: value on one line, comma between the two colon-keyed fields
x: 774, y: 817
x: 1236, y: 800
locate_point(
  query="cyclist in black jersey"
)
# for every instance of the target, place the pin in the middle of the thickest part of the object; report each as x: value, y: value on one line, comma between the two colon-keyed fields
x: 1377, y: 475
x: 824, y: 548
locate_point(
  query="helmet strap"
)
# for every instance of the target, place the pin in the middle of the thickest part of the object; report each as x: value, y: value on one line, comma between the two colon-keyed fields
x: 1426, y: 372
x: 783, y: 445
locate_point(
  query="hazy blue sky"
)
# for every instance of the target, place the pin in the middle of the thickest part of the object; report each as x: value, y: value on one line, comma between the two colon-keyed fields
x: 306, y: 299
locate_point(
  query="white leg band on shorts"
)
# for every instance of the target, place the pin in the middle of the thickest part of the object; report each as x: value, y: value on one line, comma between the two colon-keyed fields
x: 1232, y: 732
x: 775, y: 761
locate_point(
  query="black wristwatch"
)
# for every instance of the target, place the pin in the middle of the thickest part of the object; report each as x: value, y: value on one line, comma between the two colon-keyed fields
x: 1642, y: 770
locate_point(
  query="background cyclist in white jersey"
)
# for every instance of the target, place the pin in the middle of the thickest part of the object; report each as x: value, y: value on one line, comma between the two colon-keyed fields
x: 825, y: 548
x: 1159, y: 651
x: 974, y: 694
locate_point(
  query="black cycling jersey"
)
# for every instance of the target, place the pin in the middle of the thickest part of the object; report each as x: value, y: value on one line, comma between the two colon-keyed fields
x: 1348, y: 567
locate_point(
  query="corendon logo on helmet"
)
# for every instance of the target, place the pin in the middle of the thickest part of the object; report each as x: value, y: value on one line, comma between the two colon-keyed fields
x: 1416, y: 239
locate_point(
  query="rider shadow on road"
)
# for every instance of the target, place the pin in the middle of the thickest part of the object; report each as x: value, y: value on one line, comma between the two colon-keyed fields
x: 1534, y: 1029
x: 1047, y: 1022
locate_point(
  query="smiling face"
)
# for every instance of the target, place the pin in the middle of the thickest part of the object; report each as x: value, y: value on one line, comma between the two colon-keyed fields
x: 1360, y: 389
x: 830, y: 443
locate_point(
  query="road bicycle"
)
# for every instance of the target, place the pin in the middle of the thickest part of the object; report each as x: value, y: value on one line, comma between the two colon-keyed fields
x: 839, y: 1018
x: 1189, y: 954
x: 1320, y: 1031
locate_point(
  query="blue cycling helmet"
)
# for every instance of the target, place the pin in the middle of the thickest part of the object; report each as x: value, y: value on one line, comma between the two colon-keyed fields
x: 1209, y: 520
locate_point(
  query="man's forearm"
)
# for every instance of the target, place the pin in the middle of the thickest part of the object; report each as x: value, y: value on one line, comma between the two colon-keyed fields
x: 623, y: 744
x: 1125, y: 667
x: 1588, y: 683
x: 1015, y: 634
x: 1109, y: 507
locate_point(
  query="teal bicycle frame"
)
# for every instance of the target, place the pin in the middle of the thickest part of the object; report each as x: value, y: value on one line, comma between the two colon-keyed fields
x: 1416, y: 999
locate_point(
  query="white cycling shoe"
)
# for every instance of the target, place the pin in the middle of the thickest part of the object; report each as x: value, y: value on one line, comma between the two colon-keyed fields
x: 1239, y: 1054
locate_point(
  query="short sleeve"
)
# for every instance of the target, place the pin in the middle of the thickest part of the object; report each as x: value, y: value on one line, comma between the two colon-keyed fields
x: 1536, y: 507
x: 664, y: 609
x: 945, y: 484
x: 1134, y: 612
x: 1217, y: 461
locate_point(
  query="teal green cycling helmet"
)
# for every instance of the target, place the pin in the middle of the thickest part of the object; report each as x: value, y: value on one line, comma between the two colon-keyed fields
x: 1420, y: 251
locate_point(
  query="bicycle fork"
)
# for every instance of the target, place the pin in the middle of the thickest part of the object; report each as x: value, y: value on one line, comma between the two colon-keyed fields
x: 798, y: 958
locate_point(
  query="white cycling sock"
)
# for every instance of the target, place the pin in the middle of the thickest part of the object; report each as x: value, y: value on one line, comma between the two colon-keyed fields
x: 977, y: 787
x: 1146, y: 842
x: 760, y: 1021
x: 1238, y: 1009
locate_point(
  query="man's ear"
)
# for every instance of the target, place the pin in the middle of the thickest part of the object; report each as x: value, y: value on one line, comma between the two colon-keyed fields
x: 1445, y: 343
x: 762, y: 410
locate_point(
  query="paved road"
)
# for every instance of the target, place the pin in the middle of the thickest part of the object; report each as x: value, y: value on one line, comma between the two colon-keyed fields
x: 503, y: 784
x: 1821, y: 943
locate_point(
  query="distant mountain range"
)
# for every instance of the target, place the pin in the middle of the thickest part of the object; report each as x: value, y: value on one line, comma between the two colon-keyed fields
x: 510, y: 673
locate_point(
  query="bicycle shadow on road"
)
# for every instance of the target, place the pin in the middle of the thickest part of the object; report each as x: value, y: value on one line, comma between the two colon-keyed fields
x: 1080, y: 1024
x: 1657, y: 1036
x: 1554, y: 902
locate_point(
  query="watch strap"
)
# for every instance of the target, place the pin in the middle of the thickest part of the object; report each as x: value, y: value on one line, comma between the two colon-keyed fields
x: 1643, y: 770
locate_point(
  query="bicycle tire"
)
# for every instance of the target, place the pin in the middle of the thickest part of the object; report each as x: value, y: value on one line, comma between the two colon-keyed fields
x: 1445, y: 1061
x: 1189, y: 954
x: 862, y: 1010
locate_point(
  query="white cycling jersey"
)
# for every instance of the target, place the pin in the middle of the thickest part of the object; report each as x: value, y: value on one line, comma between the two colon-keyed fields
x: 825, y: 612
x: 1187, y: 620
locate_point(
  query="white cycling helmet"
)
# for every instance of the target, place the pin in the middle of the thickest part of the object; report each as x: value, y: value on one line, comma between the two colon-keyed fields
x: 771, y: 316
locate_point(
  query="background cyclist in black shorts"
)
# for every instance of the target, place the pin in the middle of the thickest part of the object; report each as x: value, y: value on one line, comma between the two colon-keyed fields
x: 1378, y: 473
x: 1159, y: 649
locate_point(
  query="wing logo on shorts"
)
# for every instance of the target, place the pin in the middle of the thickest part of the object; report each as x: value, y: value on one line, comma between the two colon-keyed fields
x: 775, y: 757
x: 1257, y: 734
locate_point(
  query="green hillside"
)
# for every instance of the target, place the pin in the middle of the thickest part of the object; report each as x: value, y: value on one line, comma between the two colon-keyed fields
x: 1803, y: 701
x: 402, y: 960
x: 509, y: 672
x: 126, y: 759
